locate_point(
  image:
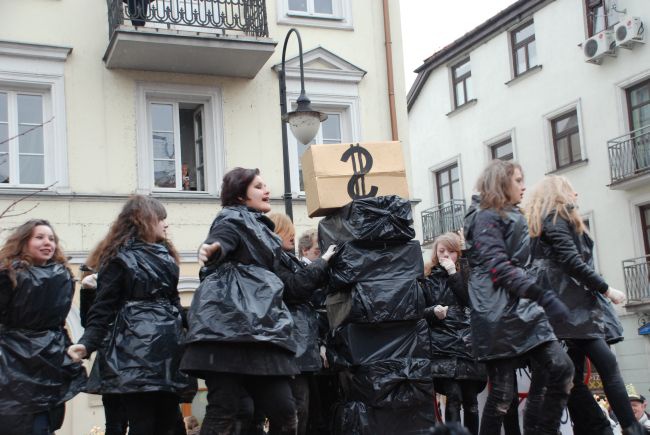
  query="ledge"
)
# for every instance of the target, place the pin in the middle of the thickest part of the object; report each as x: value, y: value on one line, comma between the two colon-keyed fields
x: 467, y: 105
x: 566, y: 168
x: 528, y: 72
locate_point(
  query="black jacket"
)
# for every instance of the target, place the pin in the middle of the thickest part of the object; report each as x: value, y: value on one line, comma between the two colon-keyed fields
x: 498, y: 248
x: 300, y: 281
x: 563, y: 262
x: 136, y: 323
x: 238, y: 313
x: 36, y: 373
x: 451, y: 338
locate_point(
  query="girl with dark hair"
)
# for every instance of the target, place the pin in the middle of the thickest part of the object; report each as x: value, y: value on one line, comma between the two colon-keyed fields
x: 563, y: 262
x: 240, y: 331
x: 136, y: 320
x: 456, y: 374
x: 36, y: 289
x: 509, y: 310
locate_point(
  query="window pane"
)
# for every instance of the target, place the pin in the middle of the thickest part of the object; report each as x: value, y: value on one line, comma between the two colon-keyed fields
x: 461, y: 69
x: 163, y: 146
x: 4, y: 168
x: 470, y: 89
x: 30, y: 109
x: 566, y: 123
x: 524, y: 33
x: 563, y: 152
x: 323, y: 6
x: 499, y: 151
x: 4, y: 135
x: 3, y: 107
x: 443, y: 178
x: 532, y: 54
x: 460, y: 94
x: 455, y: 190
x: 637, y: 96
x: 164, y: 173
x: 575, y: 147
x: 162, y: 117
x: 454, y: 173
x: 641, y: 117
x: 332, y: 128
x: 520, y: 60
x: 444, y: 195
x: 298, y: 5
x: 31, y: 142
x: 31, y: 169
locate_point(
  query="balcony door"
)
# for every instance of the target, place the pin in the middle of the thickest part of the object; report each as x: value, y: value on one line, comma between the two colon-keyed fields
x: 645, y: 226
x: 448, y: 183
x: 638, y: 103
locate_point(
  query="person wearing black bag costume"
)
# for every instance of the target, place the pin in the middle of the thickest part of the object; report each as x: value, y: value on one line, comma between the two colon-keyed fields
x: 509, y: 310
x: 563, y: 261
x: 240, y: 331
x: 36, y: 290
x: 300, y: 282
x: 136, y: 320
x: 456, y: 374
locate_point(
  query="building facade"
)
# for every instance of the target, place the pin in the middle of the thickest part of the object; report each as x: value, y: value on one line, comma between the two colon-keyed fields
x: 103, y: 99
x: 562, y: 87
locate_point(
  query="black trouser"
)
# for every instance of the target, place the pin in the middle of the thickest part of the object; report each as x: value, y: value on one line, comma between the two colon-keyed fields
x: 234, y: 398
x: 152, y: 413
x: 543, y: 410
x: 116, y: 421
x: 511, y: 419
x: 300, y: 390
x: 585, y: 412
x: 324, y: 394
x: 462, y: 393
x: 138, y: 11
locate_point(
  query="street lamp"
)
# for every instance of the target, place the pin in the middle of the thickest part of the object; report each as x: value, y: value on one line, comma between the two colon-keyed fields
x: 304, y: 121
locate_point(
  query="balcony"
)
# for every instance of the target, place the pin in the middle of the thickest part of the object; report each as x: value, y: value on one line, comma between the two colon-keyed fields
x: 629, y: 159
x: 637, y: 280
x: 215, y: 37
x: 447, y: 216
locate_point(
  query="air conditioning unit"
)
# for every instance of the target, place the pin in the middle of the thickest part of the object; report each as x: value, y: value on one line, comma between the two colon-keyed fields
x: 598, y: 46
x: 629, y: 31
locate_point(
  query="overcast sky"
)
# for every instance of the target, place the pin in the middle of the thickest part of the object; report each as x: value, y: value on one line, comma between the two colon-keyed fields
x: 429, y: 25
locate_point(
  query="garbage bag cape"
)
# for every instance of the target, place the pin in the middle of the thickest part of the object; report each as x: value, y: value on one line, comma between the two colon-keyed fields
x: 357, y: 418
x: 362, y: 261
x: 377, y: 301
x: 137, y: 357
x: 305, y: 334
x: 357, y: 344
x: 382, y: 218
x: 36, y: 374
x: 613, y: 326
x: 240, y: 303
x: 391, y: 383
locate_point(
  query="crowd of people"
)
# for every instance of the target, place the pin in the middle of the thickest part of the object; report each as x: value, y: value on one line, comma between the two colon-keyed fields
x: 515, y: 288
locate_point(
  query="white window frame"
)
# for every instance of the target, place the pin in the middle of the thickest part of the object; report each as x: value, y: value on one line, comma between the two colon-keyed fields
x: 39, y: 69
x: 622, y: 87
x: 213, y: 145
x: 341, y: 17
x: 488, y: 144
x: 589, y: 215
x: 548, y: 136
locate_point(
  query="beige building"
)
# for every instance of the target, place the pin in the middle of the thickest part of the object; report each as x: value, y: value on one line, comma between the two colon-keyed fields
x: 96, y: 108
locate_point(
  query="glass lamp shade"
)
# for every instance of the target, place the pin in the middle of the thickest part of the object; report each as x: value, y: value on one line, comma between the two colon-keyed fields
x: 305, y: 124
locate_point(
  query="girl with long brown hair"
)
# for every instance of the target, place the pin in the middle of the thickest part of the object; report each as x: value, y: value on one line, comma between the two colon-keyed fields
x: 509, y: 310
x: 36, y: 289
x: 563, y: 263
x: 138, y: 309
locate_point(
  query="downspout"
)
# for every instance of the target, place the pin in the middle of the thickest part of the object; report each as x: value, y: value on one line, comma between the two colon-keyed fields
x: 389, y: 72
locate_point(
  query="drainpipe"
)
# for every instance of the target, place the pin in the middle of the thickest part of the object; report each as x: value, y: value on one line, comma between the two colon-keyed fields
x: 389, y: 72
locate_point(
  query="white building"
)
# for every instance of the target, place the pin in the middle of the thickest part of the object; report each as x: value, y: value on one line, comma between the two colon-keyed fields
x: 166, y: 108
x: 520, y: 86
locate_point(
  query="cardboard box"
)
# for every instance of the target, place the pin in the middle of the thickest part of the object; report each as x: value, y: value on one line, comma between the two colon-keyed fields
x: 335, y: 174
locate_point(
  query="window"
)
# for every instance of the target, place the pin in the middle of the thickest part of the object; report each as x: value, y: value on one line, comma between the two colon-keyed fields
x: 462, y: 83
x: 638, y: 103
x: 502, y: 150
x: 524, y: 51
x: 321, y: 13
x: 566, y: 139
x: 448, y: 183
x: 331, y: 131
x: 600, y: 15
x: 645, y: 227
x: 179, y: 142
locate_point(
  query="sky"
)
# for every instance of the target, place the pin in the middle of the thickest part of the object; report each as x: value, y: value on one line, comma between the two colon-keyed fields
x: 429, y: 25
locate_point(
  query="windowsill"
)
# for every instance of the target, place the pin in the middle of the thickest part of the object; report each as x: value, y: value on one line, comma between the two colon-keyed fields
x: 314, y: 17
x: 569, y: 167
x: 185, y: 195
x: 458, y: 109
x: 528, y: 72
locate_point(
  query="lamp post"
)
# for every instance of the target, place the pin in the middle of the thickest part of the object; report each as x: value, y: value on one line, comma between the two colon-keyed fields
x: 304, y: 121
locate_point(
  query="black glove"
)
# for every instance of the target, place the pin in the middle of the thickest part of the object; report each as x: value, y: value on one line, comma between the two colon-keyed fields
x: 553, y: 306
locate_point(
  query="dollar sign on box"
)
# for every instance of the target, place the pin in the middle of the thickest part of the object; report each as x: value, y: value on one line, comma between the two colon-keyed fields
x: 361, y: 165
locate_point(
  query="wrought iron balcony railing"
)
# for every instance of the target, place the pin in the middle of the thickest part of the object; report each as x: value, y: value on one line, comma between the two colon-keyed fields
x: 247, y: 17
x: 629, y: 155
x: 447, y: 216
x: 637, y: 279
